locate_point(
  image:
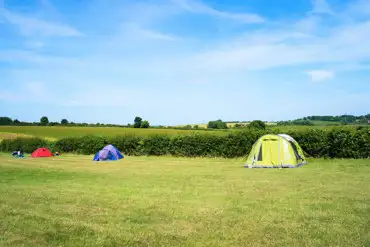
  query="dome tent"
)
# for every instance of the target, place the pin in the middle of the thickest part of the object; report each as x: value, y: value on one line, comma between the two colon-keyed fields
x: 41, y: 152
x: 275, y: 151
x: 109, y: 152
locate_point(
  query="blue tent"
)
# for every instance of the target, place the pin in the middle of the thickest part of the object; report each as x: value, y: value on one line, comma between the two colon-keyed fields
x: 109, y: 152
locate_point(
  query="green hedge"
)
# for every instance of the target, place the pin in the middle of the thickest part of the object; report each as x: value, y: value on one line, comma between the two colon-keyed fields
x: 27, y: 144
x: 339, y: 143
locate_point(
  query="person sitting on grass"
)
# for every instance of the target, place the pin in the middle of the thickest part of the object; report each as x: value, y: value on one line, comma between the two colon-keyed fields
x: 21, y: 154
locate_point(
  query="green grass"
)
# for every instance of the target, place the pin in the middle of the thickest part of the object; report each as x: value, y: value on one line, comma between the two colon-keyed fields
x: 53, y: 132
x: 325, y: 123
x: 150, y: 201
x: 320, y: 127
x: 6, y: 135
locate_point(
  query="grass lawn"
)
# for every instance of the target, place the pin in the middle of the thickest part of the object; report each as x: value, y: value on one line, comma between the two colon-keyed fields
x: 165, y: 201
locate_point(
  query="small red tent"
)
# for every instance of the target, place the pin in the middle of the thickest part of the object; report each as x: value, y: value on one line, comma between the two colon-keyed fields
x: 42, y: 152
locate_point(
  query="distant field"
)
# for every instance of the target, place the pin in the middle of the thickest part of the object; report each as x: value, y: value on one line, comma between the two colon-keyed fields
x: 322, y: 127
x: 5, y: 135
x: 325, y: 123
x: 150, y: 201
x: 53, y: 133
x: 230, y: 125
x: 59, y: 132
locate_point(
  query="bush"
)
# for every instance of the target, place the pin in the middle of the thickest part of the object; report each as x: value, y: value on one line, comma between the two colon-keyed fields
x: 218, y: 124
x: 129, y: 145
x: 145, y: 124
x: 339, y: 143
x: 257, y: 124
x: 313, y: 142
x: 27, y: 144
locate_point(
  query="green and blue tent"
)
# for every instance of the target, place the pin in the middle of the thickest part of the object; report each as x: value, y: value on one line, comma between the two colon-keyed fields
x: 275, y: 151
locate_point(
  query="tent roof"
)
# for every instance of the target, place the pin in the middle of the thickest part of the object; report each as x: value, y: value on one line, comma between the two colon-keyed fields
x: 287, y: 137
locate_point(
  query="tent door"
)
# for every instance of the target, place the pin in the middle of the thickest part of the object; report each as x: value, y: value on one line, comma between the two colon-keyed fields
x: 269, y: 152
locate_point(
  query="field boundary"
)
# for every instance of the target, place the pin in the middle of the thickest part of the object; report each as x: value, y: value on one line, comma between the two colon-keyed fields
x: 334, y: 143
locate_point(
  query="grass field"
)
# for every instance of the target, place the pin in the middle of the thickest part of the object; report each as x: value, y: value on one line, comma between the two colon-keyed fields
x: 52, y: 132
x: 150, y: 201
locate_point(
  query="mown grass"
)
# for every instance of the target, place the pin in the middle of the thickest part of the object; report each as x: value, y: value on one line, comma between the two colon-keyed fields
x: 56, y: 132
x: 150, y: 201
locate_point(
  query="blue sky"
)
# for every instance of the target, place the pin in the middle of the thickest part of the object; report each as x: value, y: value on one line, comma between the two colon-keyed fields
x: 183, y: 61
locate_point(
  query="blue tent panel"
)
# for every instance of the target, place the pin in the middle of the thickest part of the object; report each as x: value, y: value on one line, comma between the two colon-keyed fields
x: 111, y: 156
x: 96, y: 157
x: 108, y: 153
x: 114, y: 150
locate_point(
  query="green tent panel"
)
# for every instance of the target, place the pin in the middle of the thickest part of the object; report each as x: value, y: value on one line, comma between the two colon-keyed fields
x: 275, y: 151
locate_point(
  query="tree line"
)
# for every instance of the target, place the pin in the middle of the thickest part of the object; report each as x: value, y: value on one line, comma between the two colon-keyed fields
x: 214, y: 124
x: 343, y: 119
x: 44, y: 121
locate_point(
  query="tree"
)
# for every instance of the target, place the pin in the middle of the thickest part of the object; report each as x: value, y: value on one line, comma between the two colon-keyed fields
x: 16, y: 122
x: 144, y: 124
x: 64, y: 121
x: 53, y: 123
x: 137, y: 122
x: 218, y: 124
x: 44, y: 121
x: 5, y: 121
x: 257, y: 124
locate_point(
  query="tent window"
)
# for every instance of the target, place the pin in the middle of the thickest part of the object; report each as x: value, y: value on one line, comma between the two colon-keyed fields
x: 260, y: 154
x: 295, y: 150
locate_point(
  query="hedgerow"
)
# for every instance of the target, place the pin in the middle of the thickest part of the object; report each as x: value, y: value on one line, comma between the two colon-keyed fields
x: 338, y: 143
x: 27, y: 144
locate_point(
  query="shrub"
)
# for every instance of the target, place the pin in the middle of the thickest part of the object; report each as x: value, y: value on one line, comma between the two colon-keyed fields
x: 257, y: 124
x: 218, y: 124
x: 145, y: 124
x: 27, y: 144
x: 129, y: 145
x: 155, y: 145
x: 339, y: 143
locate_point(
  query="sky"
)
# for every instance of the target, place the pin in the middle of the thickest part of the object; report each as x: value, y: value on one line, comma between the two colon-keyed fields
x: 183, y: 61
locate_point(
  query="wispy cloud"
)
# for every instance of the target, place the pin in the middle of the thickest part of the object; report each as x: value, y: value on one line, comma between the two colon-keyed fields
x: 30, y: 26
x: 133, y: 30
x: 320, y: 75
x: 359, y: 7
x: 199, y: 7
x: 321, y: 7
x: 10, y: 96
x: 167, y: 61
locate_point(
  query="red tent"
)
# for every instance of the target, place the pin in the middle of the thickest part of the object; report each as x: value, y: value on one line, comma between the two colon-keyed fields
x: 42, y: 152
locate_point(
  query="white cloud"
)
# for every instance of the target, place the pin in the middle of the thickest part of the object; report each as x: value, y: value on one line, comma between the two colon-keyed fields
x: 29, y: 92
x: 135, y: 31
x: 309, y: 24
x: 321, y: 7
x: 32, y: 26
x: 360, y: 7
x: 199, y: 7
x: 119, y: 59
x: 320, y: 75
x: 9, y: 96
